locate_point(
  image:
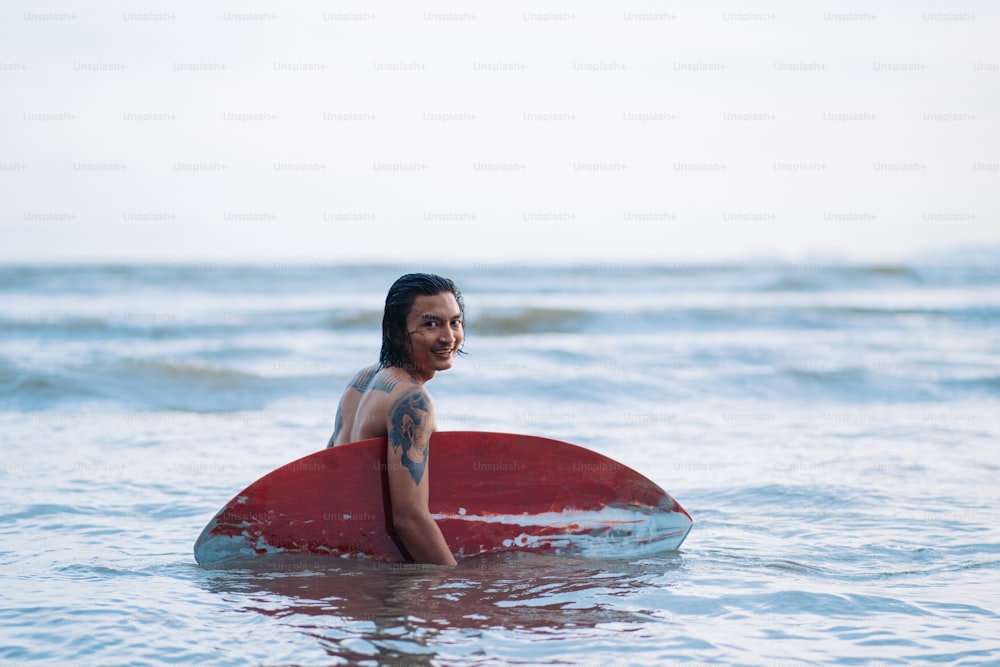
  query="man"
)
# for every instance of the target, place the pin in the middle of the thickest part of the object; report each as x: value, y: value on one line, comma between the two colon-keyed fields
x: 422, y: 331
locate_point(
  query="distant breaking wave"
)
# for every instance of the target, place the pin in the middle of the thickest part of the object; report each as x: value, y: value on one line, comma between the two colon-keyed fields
x: 237, y: 338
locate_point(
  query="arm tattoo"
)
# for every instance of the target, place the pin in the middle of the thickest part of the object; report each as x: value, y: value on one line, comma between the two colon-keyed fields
x: 409, y: 427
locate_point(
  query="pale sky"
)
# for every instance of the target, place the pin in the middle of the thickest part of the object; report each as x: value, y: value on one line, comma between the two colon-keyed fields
x: 558, y: 131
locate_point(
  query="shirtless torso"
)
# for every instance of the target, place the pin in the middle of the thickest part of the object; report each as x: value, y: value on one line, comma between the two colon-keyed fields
x: 367, y: 406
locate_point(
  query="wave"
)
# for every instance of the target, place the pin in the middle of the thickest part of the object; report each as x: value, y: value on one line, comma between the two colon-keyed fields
x: 530, y: 320
x: 166, y: 323
x: 30, y: 389
x: 981, y: 268
x: 613, y: 314
x: 235, y: 380
x: 233, y: 338
x: 161, y: 385
x: 182, y: 385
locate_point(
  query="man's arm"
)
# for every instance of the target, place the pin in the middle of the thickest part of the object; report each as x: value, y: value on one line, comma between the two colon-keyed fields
x: 410, y: 424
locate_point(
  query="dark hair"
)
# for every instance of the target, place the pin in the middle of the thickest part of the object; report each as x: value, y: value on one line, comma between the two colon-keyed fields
x: 398, y: 303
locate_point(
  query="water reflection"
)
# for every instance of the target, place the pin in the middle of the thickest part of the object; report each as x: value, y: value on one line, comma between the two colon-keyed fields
x: 396, y: 613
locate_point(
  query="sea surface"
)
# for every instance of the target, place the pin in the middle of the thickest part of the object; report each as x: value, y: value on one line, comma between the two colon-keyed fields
x: 833, y: 428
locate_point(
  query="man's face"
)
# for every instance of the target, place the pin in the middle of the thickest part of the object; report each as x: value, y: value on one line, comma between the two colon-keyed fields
x: 436, y: 332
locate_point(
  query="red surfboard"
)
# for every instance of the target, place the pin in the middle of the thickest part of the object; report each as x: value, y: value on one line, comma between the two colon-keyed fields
x: 490, y: 492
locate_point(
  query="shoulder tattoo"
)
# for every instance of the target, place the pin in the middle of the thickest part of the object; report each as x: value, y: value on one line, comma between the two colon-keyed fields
x: 370, y: 378
x: 410, y: 428
x: 384, y: 382
x: 361, y: 380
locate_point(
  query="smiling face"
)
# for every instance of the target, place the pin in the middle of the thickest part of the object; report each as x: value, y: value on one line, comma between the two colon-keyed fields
x: 436, y: 332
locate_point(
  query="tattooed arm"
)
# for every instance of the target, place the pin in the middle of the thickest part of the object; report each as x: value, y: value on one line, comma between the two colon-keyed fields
x: 410, y: 424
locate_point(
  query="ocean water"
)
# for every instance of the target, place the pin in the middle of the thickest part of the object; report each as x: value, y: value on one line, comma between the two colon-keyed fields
x: 833, y: 430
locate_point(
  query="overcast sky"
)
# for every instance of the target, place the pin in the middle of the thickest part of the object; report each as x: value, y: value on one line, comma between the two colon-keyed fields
x: 566, y: 131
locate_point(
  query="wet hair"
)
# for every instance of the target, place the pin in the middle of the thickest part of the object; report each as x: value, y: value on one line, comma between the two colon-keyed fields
x: 398, y: 303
